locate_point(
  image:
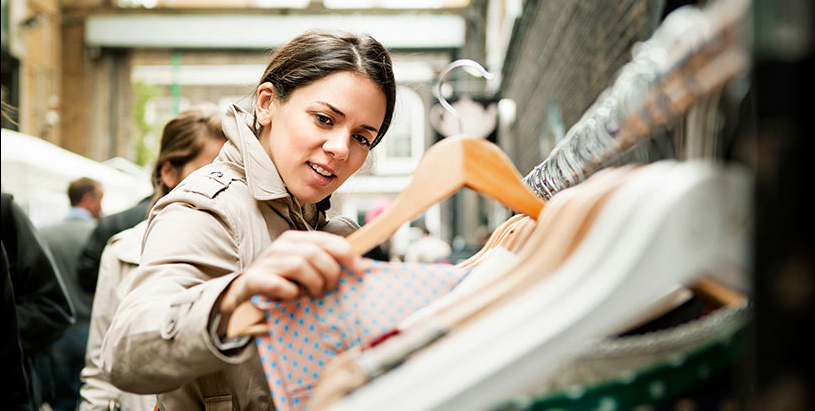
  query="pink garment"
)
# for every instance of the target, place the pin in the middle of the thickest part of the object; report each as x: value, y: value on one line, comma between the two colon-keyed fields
x: 306, y: 333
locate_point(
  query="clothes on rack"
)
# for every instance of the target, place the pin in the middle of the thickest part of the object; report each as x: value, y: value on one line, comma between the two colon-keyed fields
x: 665, y: 225
x: 549, y: 244
x: 655, y: 369
x: 306, y: 333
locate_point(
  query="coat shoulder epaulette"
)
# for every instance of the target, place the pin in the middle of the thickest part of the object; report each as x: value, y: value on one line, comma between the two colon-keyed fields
x: 210, y: 182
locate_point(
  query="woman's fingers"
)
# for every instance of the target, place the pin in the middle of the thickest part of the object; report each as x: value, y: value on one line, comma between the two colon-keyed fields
x: 275, y: 286
x: 300, y: 270
x: 297, y: 260
x: 318, y: 263
x: 338, y: 247
x: 247, y: 285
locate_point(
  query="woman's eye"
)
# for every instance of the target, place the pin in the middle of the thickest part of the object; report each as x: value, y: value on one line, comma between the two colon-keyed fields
x: 322, y: 118
x: 363, y: 140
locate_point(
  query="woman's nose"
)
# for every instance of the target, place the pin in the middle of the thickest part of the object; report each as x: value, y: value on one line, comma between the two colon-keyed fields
x: 336, y: 144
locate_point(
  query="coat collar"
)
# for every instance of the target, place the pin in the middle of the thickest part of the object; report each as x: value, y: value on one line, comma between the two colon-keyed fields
x: 126, y: 245
x: 265, y: 184
x: 244, y: 150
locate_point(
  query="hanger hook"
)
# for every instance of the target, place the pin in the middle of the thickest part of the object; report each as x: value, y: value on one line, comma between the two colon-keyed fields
x: 467, y: 63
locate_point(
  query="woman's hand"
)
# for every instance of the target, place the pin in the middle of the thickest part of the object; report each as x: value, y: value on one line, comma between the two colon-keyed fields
x: 297, y: 261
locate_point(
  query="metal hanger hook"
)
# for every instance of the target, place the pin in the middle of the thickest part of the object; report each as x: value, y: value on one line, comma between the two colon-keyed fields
x: 467, y: 63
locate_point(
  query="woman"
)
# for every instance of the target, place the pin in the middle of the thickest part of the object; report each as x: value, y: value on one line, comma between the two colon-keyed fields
x: 189, y: 141
x: 253, y: 222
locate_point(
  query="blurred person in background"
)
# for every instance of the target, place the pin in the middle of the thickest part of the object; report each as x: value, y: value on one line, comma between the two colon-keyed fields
x: 382, y: 251
x: 427, y: 248
x: 88, y: 261
x: 44, y: 310
x: 189, y: 141
x: 252, y: 222
x: 64, y: 240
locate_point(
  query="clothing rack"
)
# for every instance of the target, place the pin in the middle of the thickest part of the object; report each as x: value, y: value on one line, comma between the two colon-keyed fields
x: 694, y: 53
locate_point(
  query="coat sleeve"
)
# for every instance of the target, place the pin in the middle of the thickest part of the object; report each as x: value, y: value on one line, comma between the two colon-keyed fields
x: 44, y: 311
x: 159, y: 337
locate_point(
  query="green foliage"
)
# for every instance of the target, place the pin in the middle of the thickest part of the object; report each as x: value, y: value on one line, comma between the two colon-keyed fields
x: 144, y: 136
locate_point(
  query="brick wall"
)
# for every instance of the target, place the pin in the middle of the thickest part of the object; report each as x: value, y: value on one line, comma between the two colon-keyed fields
x: 563, y: 54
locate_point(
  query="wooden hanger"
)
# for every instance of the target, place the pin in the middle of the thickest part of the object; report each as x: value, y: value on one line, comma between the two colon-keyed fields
x: 718, y: 292
x: 445, y: 168
x: 497, y: 236
x: 563, y: 225
x: 515, y: 237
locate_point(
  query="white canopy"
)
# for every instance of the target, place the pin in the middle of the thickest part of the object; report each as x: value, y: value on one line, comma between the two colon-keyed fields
x: 37, y: 173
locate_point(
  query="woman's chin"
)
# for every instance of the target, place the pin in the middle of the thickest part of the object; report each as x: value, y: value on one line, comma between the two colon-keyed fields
x: 311, y: 196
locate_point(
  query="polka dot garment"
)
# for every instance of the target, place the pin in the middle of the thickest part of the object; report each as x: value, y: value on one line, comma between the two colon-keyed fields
x: 305, y: 333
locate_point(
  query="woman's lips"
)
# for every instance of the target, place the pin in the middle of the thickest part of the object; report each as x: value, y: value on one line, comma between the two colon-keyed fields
x: 323, y: 171
x: 321, y: 175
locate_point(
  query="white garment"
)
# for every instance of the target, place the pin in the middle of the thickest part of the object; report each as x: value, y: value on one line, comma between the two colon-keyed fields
x: 119, y: 258
x: 427, y: 249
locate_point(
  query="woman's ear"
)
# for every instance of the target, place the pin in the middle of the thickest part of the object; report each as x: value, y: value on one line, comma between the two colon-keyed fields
x: 266, y: 100
x: 169, y: 175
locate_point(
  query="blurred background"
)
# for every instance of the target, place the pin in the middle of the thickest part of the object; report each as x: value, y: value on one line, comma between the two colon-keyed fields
x: 94, y: 81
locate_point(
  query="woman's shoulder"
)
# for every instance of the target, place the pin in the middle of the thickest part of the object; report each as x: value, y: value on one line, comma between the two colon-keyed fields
x: 125, y: 245
x: 214, y: 179
x: 340, y: 225
x: 216, y: 191
x: 211, y: 187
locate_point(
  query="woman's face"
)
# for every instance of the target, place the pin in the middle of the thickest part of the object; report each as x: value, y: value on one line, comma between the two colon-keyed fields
x: 322, y: 134
x: 172, y: 176
x: 209, y: 151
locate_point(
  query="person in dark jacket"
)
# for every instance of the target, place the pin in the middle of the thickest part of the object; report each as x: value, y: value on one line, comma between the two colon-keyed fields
x: 44, y: 310
x: 87, y: 268
x: 15, y: 391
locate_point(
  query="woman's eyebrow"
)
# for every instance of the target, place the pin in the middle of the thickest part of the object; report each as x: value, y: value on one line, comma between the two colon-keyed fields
x: 340, y: 113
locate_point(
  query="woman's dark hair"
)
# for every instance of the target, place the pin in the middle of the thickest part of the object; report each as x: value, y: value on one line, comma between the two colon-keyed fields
x: 318, y: 53
x: 182, y: 140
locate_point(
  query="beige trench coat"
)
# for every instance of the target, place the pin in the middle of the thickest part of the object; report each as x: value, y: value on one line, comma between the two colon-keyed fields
x: 199, y: 237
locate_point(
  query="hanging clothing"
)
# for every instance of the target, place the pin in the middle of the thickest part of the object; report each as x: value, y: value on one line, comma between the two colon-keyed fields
x: 305, y: 333
x: 654, y: 368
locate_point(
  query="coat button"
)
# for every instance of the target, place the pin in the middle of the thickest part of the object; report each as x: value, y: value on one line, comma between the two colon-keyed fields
x: 170, y: 327
x: 217, y: 174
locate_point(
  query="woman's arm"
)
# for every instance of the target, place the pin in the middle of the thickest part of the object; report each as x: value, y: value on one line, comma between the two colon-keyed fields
x: 159, y: 339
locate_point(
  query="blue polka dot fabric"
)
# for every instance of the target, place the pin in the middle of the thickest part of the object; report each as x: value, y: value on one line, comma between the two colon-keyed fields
x: 306, y: 333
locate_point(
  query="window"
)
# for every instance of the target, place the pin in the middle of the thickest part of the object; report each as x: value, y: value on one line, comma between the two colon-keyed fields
x: 403, y: 145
